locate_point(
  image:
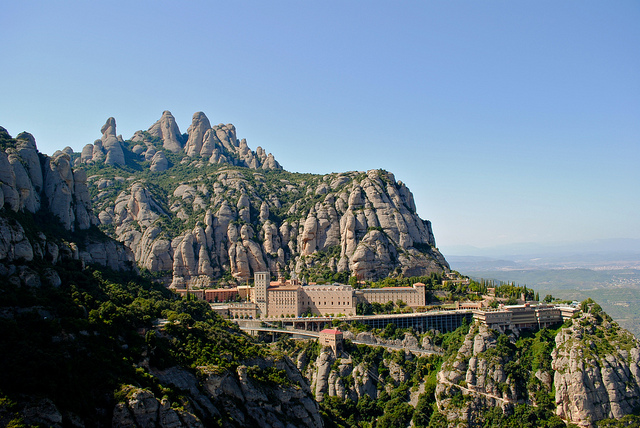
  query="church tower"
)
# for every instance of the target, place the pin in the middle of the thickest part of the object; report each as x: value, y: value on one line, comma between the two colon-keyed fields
x: 261, y: 283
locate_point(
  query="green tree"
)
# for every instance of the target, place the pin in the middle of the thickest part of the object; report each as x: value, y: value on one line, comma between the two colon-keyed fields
x: 424, y: 408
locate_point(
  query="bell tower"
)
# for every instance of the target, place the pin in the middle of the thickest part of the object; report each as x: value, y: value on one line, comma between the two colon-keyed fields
x: 261, y: 283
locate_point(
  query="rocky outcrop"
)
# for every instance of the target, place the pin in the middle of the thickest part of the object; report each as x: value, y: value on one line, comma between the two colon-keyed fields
x: 59, y: 186
x: 14, y: 245
x: 340, y: 376
x: 237, y: 398
x: 47, y: 187
x: 159, y: 162
x: 593, y: 366
x: 199, y: 126
x: 361, y: 224
x: 17, y: 248
x: 167, y: 130
x: 477, y: 372
x: 29, y: 182
x: 111, y: 144
x: 358, y: 223
x: 142, y: 409
x: 597, y: 369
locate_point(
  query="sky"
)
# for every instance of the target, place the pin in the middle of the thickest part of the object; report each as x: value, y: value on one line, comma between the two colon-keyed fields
x: 509, y: 121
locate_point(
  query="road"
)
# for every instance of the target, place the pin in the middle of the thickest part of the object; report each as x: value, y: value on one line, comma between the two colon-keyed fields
x: 313, y: 334
x: 473, y: 391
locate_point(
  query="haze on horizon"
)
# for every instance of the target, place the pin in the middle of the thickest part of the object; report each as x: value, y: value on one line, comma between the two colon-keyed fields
x: 510, y: 122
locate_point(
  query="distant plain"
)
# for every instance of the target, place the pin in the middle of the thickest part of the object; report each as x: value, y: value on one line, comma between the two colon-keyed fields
x: 609, y: 273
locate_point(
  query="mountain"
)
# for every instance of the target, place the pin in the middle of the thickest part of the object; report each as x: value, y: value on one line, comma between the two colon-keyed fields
x: 34, y: 188
x: 87, y: 341
x: 202, y: 206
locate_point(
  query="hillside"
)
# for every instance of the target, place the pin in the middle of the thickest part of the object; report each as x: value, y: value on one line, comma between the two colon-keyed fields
x: 202, y: 206
x: 583, y: 373
x: 89, y: 339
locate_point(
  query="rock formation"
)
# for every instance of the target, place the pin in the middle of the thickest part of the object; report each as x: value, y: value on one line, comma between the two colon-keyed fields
x: 111, y: 144
x: 593, y: 366
x: 48, y: 186
x: 159, y: 162
x: 199, y: 126
x: 216, y: 145
x: 476, y: 371
x: 597, y: 369
x: 255, y: 216
x: 366, y: 221
x: 364, y: 225
x: 233, y: 397
x: 167, y: 130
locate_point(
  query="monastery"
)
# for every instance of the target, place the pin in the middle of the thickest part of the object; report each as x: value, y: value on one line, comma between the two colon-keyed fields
x: 290, y: 298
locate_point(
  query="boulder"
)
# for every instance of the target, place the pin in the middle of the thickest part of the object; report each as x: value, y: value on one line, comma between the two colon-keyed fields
x: 159, y: 162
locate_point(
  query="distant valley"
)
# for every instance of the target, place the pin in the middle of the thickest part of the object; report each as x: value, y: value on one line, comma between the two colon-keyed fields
x: 610, y: 277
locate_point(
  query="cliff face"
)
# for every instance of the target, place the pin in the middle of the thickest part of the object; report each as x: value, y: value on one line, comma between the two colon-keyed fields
x: 478, y: 372
x: 214, y: 394
x: 49, y: 188
x: 597, y: 369
x: 219, y: 208
x: 593, y: 365
x: 74, y: 334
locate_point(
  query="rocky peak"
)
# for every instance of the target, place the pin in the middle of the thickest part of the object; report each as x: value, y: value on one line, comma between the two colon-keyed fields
x: 167, y: 129
x: 212, y: 144
x: 26, y: 141
x: 597, y: 369
x: 111, y: 144
x: 108, y: 129
x: 199, y: 126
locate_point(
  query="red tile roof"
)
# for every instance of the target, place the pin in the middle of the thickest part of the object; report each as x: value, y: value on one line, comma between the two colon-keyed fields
x: 331, y: 331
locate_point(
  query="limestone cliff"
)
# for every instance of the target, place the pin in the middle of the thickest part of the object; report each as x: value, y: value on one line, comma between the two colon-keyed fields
x: 35, y: 187
x: 478, y: 372
x: 236, y: 398
x: 591, y: 363
x: 597, y: 369
x: 213, y: 207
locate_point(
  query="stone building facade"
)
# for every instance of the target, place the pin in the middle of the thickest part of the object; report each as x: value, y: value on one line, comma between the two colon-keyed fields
x: 291, y: 299
x: 333, y: 339
x: 413, y: 296
x: 525, y: 316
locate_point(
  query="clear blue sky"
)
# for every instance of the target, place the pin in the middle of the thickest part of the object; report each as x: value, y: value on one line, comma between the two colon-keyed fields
x: 509, y: 121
